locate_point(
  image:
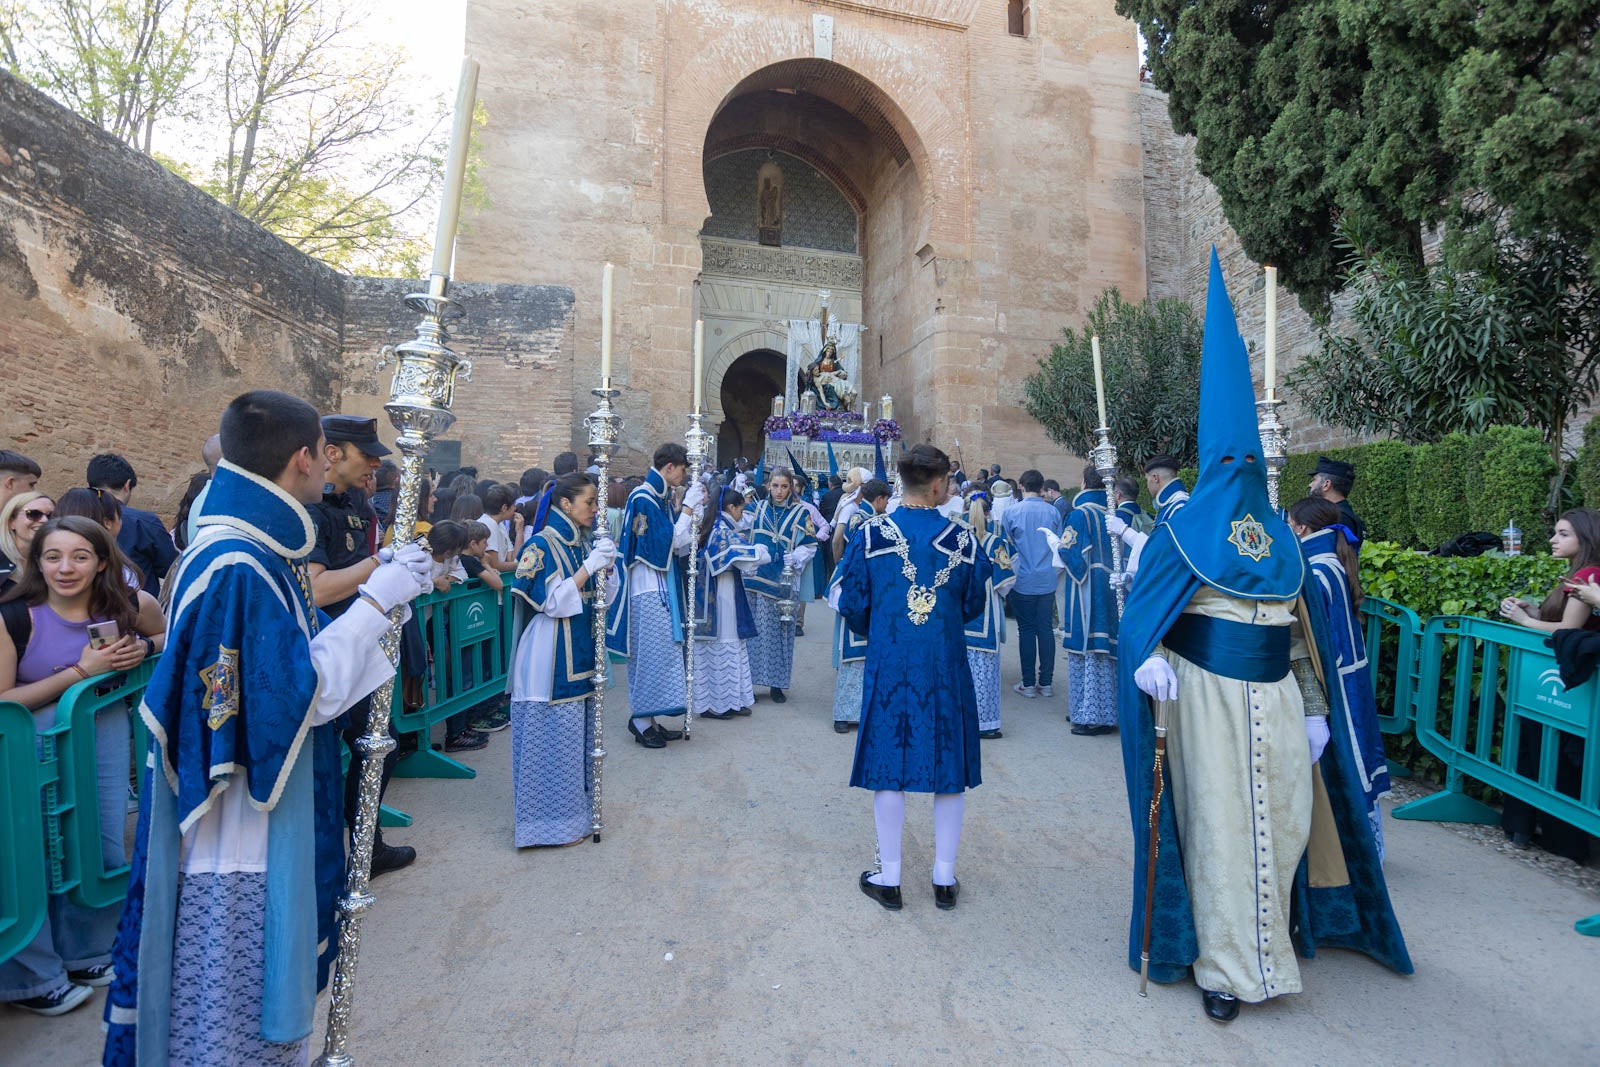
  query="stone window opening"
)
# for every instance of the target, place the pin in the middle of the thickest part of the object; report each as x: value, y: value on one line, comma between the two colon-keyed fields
x: 1018, y: 15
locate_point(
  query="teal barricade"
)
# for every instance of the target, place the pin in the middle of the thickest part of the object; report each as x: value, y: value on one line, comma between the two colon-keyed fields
x: 1393, y: 634
x: 1502, y: 676
x: 468, y: 629
x: 24, y: 892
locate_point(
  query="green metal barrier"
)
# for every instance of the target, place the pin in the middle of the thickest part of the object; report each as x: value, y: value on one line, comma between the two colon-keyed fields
x: 1504, y: 676
x: 24, y: 893
x: 1404, y: 673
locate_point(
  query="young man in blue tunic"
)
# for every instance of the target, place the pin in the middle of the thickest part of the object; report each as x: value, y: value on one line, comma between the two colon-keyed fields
x: 646, y: 622
x: 849, y: 647
x: 1089, y: 616
x: 1264, y: 845
x: 911, y: 582
x: 239, y: 850
x: 1166, y: 488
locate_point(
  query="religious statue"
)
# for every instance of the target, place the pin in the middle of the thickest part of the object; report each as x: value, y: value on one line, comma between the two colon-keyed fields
x: 825, y: 378
x: 769, y: 204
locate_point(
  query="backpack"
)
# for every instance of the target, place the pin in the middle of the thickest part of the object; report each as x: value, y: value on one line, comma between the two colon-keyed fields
x: 19, y: 624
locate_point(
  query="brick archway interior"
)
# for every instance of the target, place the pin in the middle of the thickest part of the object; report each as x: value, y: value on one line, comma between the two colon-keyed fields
x: 745, y: 387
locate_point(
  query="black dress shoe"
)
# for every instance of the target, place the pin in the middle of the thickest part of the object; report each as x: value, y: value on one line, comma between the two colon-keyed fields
x: 887, y: 895
x: 648, y: 738
x: 841, y: 727
x: 799, y: 631
x: 386, y: 858
x: 990, y: 735
x: 666, y: 734
x: 944, y: 896
x: 778, y: 697
x: 743, y: 711
x: 716, y: 715
x: 1220, y: 1007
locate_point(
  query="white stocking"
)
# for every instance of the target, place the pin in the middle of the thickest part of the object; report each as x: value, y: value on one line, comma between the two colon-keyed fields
x: 889, y: 812
x: 948, y: 808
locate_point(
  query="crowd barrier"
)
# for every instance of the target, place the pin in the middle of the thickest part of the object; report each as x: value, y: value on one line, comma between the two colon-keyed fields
x: 50, y: 840
x: 1393, y: 633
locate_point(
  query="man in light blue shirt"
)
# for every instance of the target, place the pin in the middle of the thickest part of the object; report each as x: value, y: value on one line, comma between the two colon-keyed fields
x: 1033, y: 596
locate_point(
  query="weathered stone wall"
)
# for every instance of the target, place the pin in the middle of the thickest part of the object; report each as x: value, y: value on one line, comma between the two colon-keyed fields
x: 133, y: 306
x: 516, y: 411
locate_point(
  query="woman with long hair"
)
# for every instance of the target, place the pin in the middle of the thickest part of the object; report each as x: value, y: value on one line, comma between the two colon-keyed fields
x: 789, y: 534
x: 1333, y: 587
x: 552, y: 669
x: 1576, y: 538
x: 986, y: 633
x: 20, y: 519
x: 77, y: 619
x: 722, y: 620
x: 100, y: 506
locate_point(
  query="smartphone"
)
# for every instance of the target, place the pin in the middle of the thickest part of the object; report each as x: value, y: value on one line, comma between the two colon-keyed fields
x: 102, y: 634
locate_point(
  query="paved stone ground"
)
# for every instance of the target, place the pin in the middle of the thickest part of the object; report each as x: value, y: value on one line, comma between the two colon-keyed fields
x: 738, y: 854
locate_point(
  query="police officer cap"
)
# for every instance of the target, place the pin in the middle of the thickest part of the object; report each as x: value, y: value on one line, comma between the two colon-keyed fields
x: 363, y: 433
x: 1335, y: 468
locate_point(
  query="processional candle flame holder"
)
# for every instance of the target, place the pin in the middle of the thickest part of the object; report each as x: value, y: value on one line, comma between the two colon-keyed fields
x: 605, y: 429
x: 790, y: 577
x: 697, y: 443
x: 420, y: 396
x: 1104, y: 458
x: 1274, y: 442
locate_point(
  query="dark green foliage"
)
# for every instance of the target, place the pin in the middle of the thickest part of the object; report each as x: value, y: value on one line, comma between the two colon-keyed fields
x: 1515, y: 470
x: 1586, y: 468
x: 1380, y: 493
x: 1434, y: 585
x: 1151, y: 354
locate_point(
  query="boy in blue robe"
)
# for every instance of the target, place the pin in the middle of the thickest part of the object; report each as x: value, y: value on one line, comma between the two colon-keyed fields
x: 1264, y: 842
x: 645, y: 624
x: 911, y: 581
x: 1089, y: 617
x: 239, y: 850
x: 849, y: 647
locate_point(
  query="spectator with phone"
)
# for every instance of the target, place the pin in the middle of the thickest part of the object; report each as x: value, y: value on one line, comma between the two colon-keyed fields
x: 71, y: 618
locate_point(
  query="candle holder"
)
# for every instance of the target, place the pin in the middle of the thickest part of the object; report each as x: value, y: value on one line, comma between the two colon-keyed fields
x: 420, y: 395
x: 605, y: 428
x: 1104, y: 458
x: 786, y: 607
x: 696, y: 442
x: 1274, y: 443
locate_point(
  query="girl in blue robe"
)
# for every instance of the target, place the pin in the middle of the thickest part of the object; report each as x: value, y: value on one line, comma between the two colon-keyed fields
x: 790, y: 536
x: 552, y: 669
x: 722, y: 621
x: 986, y: 633
x: 911, y: 582
x: 1330, y: 554
x: 1090, y: 615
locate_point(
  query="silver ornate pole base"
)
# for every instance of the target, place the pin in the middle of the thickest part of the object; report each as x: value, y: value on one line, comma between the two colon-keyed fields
x: 605, y: 428
x: 1104, y: 458
x: 1274, y: 444
x: 419, y: 407
x: 698, y: 444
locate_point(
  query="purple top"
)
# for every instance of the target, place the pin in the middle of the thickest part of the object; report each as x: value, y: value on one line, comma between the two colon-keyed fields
x: 53, y: 647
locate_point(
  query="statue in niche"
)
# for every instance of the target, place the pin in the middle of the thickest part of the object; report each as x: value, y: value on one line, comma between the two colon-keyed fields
x: 825, y: 379
x: 769, y: 204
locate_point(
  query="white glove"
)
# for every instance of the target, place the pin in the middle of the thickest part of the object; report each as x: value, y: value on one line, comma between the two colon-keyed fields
x: 791, y: 559
x: 393, y: 584
x: 1156, y: 679
x: 1052, y: 537
x: 1317, y: 735
x: 415, y: 558
x: 1115, y: 525
x: 601, y: 556
x: 1121, y: 579
x: 763, y: 555
x: 695, y: 496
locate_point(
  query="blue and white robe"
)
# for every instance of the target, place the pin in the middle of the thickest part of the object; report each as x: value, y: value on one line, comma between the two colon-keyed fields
x: 849, y: 647
x: 987, y: 633
x: 1173, y: 496
x: 239, y: 851
x: 783, y: 530
x: 723, y: 623
x: 1089, y: 616
x: 647, y: 622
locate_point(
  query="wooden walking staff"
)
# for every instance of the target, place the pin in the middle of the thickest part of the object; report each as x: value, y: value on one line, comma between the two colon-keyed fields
x: 419, y: 407
x: 697, y: 442
x: 1157, y: 787
x: 1104, y: 457
x: 605, y: 428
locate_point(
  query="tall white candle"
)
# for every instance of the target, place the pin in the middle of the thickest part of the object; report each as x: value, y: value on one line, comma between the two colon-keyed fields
x: 455, y: 169
x: 1272, y: 333
x: 1099, y: 381
x: 605, y: 325
x: 699, y: 359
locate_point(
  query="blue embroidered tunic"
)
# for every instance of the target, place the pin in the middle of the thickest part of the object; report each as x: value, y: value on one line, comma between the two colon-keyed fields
x: 919, y: 714
x: 848, y: 646
x: 782, y: 529
x: 988, y: 630
x: 1173, y: 496
x: 551, y: 556
x: 725, y: 547
x: 1090, y: 614
x: 648, y: 525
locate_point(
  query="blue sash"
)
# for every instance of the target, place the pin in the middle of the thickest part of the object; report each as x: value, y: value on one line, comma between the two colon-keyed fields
x: 1237, y: 650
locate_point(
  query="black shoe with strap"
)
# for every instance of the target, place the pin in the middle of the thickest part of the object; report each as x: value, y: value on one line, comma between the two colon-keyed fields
x: 887, y: 895
x: 650, y: 738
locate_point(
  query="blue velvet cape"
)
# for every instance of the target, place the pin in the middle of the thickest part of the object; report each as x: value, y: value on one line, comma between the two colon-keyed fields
x: 725, y: 547
x: 1173, y: 496
x: 1089, y: 616
x: 782, y: 530
x: 647, y: 527
x: 230, y: 705
x: 557, y: 552
x: 919, y: 713
x: 848, y: 646
x: 988, y: 630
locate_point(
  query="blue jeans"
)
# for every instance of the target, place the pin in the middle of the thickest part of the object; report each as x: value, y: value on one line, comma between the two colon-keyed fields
x: 1035, y: 614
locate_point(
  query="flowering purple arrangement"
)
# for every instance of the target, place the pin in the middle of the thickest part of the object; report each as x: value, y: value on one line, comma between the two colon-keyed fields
x: 846, y: 416
x: 886, y: 430
x: 804, y: 425
x: 776, y: 422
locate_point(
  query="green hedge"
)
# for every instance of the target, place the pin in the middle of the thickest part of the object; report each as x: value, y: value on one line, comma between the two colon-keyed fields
x: 1586, y: 468
x: 1453, y: 585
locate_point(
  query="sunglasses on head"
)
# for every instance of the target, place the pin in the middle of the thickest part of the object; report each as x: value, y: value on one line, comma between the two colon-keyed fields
x: 35, y: 515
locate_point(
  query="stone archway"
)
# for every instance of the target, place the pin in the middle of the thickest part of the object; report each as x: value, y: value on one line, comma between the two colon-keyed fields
x: 745, y: 389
